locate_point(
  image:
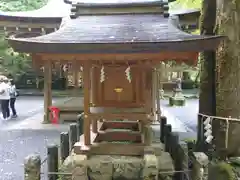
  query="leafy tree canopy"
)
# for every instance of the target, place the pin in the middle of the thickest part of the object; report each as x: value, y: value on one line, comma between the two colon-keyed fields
x: 186, y: 4
x: 21, y: 5
x: 10, y: 61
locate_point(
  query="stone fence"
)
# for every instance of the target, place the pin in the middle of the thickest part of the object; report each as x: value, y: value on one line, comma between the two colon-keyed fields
x: 187, y: 164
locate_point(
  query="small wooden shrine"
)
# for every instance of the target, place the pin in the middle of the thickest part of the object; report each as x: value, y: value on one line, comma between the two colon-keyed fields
x: 119, y: 44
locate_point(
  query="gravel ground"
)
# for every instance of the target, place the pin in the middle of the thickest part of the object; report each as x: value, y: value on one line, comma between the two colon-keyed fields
x: 17, y: 144
x: 186, y: 114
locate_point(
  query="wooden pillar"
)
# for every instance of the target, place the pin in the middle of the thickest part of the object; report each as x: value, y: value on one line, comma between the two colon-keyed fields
x: 148, y: 91
x: 93, y: 98
x: 154, y: 92
x: 87, y: 121
x: 76, y: 70
x: 158, y: 93
x: 95, y: 126
x: 47, y: 90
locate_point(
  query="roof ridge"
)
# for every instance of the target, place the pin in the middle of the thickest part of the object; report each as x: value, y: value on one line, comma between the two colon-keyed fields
x: 140, y: 7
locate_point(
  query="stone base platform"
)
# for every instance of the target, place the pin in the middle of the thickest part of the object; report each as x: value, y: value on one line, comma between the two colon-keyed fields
x: 176, y: 101
x: 116, y: 167
x: 177, y: 98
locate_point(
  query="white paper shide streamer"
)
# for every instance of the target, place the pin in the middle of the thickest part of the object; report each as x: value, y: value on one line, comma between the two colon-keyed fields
x: 102, y: 75
x: 208, y: 130
x: 128, y: 74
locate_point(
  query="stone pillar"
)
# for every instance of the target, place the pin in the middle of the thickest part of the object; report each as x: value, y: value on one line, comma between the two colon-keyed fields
x: 148, y: 133
x: 200, y: 162
x: 177, y: 98
x: 166, y: 166
x: 150, y: 167
x: 32, y: 167
x: 101, y: 167
x: 77, y: 165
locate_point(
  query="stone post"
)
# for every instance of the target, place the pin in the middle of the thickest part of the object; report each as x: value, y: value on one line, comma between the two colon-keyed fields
x: 150, y: 169
x: 200, y: 162
x: 32, y: 167
x: 184, y: 160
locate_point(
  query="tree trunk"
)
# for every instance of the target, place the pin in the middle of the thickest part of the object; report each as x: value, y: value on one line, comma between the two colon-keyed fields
x: 207, y: 77
x: 207, y: 102
x: 228, y: 70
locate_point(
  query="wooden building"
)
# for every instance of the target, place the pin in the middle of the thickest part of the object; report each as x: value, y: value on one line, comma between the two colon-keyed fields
x: 119, y: 45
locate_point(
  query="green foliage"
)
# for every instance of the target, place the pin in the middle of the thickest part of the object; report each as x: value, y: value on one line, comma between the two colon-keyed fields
x: 21, y: 5
x: 221, y: 171
x: 12, y: 62
x: 186, y: 4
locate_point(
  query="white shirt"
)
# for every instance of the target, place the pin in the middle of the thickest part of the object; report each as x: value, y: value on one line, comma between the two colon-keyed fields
x: 6, y: 88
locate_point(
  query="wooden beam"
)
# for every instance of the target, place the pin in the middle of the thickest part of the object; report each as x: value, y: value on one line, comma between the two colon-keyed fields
x: 130, y: 125
x: 154, y: 57
x: 47, y: 90
x: 116, y: 136
x: 128, y: 116
x: 87, y: 120
x: 110, y: 149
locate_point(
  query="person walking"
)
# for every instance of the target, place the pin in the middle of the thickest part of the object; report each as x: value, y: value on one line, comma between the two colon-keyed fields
x: 4, y: 97
x: 13, y: 96
x: 7, y: 95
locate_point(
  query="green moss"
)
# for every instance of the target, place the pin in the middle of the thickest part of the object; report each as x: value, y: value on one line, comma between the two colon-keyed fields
x: 176, y: 102
x: 189, y: 140
x: 21, y: 5
x: 221, y: 171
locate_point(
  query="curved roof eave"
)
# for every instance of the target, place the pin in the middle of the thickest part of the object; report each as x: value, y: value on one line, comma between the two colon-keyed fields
x: 126, y: 33
x: 193, y: 45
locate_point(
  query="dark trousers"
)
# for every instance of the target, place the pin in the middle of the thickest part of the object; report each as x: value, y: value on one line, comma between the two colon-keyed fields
x: 5, y: 108
x: 12, y: 106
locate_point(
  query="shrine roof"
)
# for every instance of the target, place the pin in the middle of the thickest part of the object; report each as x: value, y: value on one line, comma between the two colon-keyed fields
x: 116, y: 34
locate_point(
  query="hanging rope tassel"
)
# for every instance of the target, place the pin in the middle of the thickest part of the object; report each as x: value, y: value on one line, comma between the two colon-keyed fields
x: 128, y: 74
x: 102, y: 75
x: 226, y: 135
x: 208, y: 127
